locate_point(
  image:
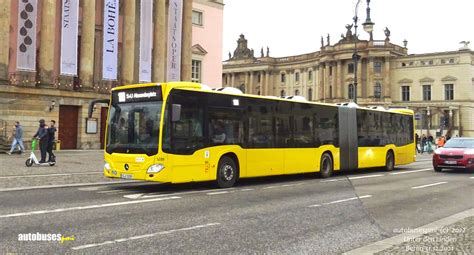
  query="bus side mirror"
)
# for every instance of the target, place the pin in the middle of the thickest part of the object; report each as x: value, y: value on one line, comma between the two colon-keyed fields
x: 175, y: 112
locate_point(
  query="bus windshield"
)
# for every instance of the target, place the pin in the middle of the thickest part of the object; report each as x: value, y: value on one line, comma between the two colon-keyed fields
x: 134, y: 121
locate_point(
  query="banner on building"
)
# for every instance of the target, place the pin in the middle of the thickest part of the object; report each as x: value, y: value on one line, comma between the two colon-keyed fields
x: 69, y: 37
x: 26, y: 51
x: 175, y: 16
x: 110, y: 44
x: 146, y: 40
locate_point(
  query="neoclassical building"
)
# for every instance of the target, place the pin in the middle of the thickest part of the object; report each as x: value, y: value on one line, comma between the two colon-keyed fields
x: 439, y: 87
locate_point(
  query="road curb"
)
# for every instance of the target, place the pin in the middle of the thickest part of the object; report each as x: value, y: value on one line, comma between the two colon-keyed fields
x: 414, y: 233
x: 68, y: 185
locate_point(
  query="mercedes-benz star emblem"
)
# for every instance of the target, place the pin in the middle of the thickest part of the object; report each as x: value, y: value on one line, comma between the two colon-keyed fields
x: 126, y: 167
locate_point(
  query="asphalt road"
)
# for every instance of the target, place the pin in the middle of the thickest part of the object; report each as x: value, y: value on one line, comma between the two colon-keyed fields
x: 284, y: 215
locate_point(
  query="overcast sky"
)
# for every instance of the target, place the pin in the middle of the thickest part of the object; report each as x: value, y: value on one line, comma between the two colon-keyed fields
x: 295, y: 27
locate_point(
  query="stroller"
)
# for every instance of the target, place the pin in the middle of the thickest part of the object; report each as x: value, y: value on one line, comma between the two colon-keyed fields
x: 32, y: 160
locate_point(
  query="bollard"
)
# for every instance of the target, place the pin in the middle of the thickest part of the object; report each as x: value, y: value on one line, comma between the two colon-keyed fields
x: 58, y: 145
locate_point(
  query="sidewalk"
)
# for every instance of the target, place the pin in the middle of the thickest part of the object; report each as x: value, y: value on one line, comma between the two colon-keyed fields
x: 72, y: 167
x: 451, y: 235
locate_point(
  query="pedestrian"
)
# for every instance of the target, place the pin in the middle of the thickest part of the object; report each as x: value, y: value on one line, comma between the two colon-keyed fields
x: 423, y: 143
x: 17, y: 138
x: 42, y: 136
x: 417, y: 139
x: 441, y: 141
x: 51, y: 140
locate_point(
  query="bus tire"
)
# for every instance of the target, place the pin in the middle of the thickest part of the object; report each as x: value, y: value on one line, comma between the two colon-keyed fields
x: 227, y: 172
x: 437, y: 169
x: 389, y: 161
x: 326, y: 166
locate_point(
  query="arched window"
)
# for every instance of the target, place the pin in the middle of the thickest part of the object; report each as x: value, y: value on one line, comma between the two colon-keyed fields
x: 310, y: 94
x: 378, y: 90
x: 351, y: 91
x: 297, y: 92
x: 282, y: 93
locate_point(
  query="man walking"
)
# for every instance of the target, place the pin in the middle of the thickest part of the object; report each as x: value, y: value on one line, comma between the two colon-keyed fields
x: 42, y: 135
x: 17, y: 138
x: 51, y: 138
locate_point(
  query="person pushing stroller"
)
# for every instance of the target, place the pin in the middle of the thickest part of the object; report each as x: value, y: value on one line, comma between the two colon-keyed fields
x: 43, y: 136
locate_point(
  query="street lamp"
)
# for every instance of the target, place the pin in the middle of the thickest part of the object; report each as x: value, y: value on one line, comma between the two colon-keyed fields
x: 368, y: 27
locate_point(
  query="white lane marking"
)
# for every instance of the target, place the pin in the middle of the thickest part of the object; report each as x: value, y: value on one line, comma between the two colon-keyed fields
x: 429, y: 185
x: 270, y: 187
x: 142, y: 195
x: 47, y: 175
x: 246, y: 189
x: 347, y: 199
x: 334, y: 180
x: 471, y: 177
x: 341, y: 200
x: 217, y: 193
x: 86, y: 207
x: 292, y: 185
x: 414, y: 171
x: 69, y: 185
x: 421, y: 160
x: 144, y: 236
x: 114, y: 191
x: 365, y: 176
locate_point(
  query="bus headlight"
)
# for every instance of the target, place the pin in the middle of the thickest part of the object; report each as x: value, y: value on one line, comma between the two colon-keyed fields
x: 155, y: 169
x: 107, y: 166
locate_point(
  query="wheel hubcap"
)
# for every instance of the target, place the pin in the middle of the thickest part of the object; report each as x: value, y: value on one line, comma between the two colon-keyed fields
x: 325, y: 165
x: 227, y: 172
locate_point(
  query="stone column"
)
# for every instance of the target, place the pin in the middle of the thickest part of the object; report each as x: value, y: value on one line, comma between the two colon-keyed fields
x: 321, y: 82
x: 160, y: 33
x: 186, y: 42
x: 86, y: 68
x: 338, y: 83
x: 370, y: 78
x: 250, y: 86
x: 386, y: 80
x: 5, y: 41
x: 267, y: 84
x: 232, y: 79
x: 130, y: 40
x: 246, y: 81
x: 359, y: 80
x: 47, y: 41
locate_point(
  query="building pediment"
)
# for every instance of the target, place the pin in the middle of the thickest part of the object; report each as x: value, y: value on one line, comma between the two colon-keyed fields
x: 404, y: 81
x: 199, y: 50
x: 427, y: 80
x: 449, y: 78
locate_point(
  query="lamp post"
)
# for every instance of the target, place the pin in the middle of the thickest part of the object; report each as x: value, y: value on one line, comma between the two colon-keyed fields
x: 368, y: 27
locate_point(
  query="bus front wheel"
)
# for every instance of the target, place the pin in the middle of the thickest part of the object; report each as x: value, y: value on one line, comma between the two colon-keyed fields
x: 389, y: 161
x: 227, y: 172
x: 326, y: 166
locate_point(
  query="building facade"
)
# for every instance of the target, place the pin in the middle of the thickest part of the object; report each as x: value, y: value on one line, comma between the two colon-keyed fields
x: 439, y: 87
x: 208, y: 19
x: 44, y: 92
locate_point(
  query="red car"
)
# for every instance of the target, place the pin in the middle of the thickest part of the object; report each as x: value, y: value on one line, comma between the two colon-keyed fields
x: 457, y: 153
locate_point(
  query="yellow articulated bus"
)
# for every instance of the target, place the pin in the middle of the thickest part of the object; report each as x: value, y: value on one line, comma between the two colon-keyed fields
x: 185, y: 132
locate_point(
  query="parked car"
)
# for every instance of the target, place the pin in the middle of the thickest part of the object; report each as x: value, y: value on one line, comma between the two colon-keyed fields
x: 457, y: 153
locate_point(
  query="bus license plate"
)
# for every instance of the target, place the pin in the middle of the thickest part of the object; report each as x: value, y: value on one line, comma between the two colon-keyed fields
x: 450, y: 162
x: 126, y: 176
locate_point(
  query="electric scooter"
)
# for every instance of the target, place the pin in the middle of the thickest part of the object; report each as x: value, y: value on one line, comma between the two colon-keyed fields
x: 32, y: 160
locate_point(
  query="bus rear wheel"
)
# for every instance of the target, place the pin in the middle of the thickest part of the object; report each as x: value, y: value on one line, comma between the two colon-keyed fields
x: 389, y: 161
x: 326, y: 166
x: 227, y: 172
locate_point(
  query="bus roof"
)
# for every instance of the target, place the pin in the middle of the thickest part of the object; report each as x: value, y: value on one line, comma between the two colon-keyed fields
x: 205, y: 89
